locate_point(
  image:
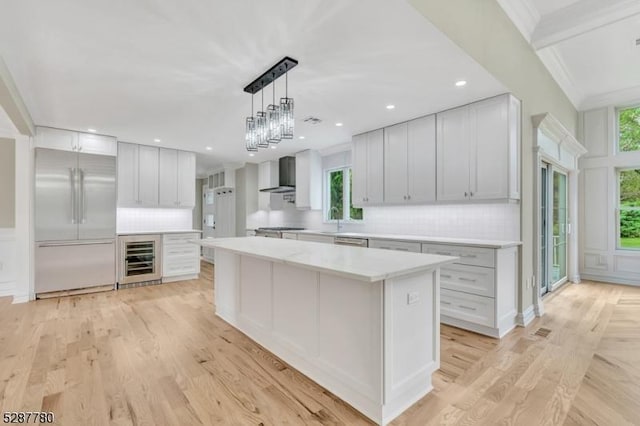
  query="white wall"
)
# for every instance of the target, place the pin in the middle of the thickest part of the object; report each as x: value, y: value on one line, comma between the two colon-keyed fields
x: 7, y: 182
x: 599, y: 257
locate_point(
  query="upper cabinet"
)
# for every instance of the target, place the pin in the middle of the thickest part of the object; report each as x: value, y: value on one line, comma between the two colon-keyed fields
x: 478, y: 151
x: 368, y: 168
x: 67, y: 140
x: 308, y: 180
x: 149, y: 176
x: 410, y: 162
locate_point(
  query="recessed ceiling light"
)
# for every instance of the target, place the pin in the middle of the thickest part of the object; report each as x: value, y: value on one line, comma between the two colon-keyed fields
x: 300, y: 137
x: 92, y: 130
x: 339, y: 124
x: 156, y: 140
x: 391, y: 106
x: 273, y: 147
x: 251, y: 154
x: 461, y: 83
x: 209, y: 148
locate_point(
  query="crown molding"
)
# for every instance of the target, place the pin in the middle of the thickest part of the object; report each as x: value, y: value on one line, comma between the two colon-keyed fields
x: 553, y: 128
x: 523, y: 14
x: 618, y: 98
x: 552, y: 59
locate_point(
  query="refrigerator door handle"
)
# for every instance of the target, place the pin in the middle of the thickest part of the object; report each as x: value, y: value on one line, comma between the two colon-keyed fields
x: 82, y: 196
x: 75, y: 243
x: 72, y: 178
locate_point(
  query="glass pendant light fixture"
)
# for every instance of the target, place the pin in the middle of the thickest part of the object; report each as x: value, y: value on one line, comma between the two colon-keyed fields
x: 286, y: 111
x: 273, y: 119
x: 261, y: 126
x: 250, y: 131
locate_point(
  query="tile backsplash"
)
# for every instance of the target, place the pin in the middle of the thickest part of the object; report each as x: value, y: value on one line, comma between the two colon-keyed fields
x: 482, y: 221
x: 145, y: 220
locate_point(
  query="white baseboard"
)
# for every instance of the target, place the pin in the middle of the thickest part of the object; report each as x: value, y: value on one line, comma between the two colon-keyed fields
x: 20, y: 298
x: 524, y: 318
x: 575, y: 279
x: 612, y: 280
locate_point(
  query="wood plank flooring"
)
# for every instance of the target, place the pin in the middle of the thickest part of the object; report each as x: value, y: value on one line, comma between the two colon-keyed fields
x: 158, y: 356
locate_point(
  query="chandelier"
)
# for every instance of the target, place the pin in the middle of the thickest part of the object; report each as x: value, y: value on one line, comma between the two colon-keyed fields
x: 277, y: 122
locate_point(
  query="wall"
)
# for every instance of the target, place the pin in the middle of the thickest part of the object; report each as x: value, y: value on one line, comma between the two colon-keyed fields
x: 143, y: 220
x: 7, y: 182
x: 197, y: 210
x: 599, y: 258
x: 482, y: 29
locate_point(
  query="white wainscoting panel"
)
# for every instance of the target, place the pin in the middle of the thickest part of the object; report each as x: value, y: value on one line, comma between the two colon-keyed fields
x: 594, y: 194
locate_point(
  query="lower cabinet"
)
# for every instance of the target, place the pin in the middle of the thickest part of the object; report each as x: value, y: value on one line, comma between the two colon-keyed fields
x: 180, y: 258
x: 316, y: 238
x: 395, y: 245
x: 478, y: 292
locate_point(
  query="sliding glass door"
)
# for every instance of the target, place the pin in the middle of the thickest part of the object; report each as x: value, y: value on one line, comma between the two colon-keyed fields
x: 553, y: 227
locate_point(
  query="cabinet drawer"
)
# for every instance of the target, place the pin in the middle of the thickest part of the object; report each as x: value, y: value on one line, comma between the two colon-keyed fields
x: 181, y: 266
x: 395, y: 245
x: 477, y: 256
x: 468, y: 307
x: 179, y: 238
x: 316, y: 238
x: 171, y: 250
x: 470, y: 279
x: 289, y: 236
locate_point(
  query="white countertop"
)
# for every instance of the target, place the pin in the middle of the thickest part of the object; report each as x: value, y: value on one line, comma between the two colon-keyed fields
x: 418, y: 238
x: 171, y: 231
x: 359, y: 263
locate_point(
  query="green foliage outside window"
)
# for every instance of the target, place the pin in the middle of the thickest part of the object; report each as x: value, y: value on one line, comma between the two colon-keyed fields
x: 630, y: 208
x: 337, y: 194
x: 629, y: 124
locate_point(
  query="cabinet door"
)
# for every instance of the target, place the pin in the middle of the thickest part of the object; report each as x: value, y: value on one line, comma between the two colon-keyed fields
x: 127, y: 175
x: 453, y: 154
x: 148, y: 159
x: 359, y: 168
x: 65, y: 140
x: 395, y: 164
x: 168, y: 177
x: 96, y: 144
x: 186, y: 179
x: 421, y: 160
x: 375, y: 167
x: 489, y: 166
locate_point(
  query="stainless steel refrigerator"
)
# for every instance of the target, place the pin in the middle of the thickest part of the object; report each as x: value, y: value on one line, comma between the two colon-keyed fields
x: 75, y: 220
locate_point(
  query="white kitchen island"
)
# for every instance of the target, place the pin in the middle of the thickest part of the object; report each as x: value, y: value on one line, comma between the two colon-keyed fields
x: 363, y: 323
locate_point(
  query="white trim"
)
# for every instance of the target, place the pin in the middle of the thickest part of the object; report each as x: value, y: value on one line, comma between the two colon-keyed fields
x: 335, y: 149
x: 623, y: 97
x: 606, y: 279
x: 556, y: 66
x: 523, y: 14
x: 22, y: 298
x: 524, y: 318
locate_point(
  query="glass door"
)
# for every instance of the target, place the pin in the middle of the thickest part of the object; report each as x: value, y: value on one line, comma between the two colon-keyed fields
x: 553, y: 227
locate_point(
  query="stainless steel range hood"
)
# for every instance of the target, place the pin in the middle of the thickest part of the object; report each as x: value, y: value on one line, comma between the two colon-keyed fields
x: 287, y: 172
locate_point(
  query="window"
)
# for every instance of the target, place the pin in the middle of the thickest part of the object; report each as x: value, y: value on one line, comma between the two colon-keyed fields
x: 338, y: 192
x: 629, y: 209
x: 629, y: 129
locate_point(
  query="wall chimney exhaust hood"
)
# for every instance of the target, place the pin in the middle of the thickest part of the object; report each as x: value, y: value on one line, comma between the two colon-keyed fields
x: 287, y: 172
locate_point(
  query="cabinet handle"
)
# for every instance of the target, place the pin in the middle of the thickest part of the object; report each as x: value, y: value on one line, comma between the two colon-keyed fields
x: 445, y: 276
x: 473, y: 256
x: 408, y: 197
x: 405, y: 197
x: 467, y: 307
x: 465, y: 194
x: 471, y: 194
x: 443, y: 253
x: 467, y: 279
x: 445, y: 303
x: 402, y: 249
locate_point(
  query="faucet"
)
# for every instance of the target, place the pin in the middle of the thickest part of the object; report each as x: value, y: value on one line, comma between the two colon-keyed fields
x: 338, y: 225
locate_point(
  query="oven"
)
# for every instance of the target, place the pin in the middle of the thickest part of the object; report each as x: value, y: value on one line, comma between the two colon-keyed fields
x: 140, y: 259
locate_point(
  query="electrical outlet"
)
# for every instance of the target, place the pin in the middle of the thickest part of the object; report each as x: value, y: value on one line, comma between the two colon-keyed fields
x: 413, y: 297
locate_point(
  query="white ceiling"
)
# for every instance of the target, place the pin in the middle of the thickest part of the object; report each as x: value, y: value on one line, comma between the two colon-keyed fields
x: 589, y: 46
x: 175, y: 70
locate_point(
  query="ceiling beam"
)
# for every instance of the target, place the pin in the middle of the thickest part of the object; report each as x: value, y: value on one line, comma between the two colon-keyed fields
x: 579, y: 18
x: 12, y: 103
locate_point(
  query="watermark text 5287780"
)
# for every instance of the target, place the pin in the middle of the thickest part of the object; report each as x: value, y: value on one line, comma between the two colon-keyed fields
x: 24, y: 417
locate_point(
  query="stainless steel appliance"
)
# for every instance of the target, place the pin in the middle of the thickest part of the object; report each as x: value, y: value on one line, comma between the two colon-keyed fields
x: 75, y: 220
x: 140, y: 259
x: 287, y: 175
x: 274, y: 232
x: 350, y: 241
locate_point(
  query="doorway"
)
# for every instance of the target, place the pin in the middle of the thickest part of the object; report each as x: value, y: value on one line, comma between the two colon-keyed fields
x: 554, y: 227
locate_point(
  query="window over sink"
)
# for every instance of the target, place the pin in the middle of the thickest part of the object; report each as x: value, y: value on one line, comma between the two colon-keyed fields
x: 338, y: 189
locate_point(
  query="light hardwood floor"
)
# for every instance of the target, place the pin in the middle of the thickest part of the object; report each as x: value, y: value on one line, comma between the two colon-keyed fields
x: 158, y: 355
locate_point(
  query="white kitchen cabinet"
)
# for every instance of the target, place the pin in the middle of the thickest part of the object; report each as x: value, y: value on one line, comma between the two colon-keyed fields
x: 479, y: 289
x: 223, y: 178
x: 478, y: 151
x: 368, y: 168
x: 177, y: 178
x: 413, y: 247
x: 186, y: 179
x: 137, y: 175
x: 168, y: 177
x: 409, y: 162
x: 308, y: 180
x: 180, y: 257
x: 327, y: 239
x: 68, y: 140
x: 148, y: 161
x: 268, y: 177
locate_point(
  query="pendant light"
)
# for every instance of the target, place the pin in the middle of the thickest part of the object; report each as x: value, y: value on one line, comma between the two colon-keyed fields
x: 273, y: 118
x: 261, y: 125
x: 250, y: 131
x: 286, y: 110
